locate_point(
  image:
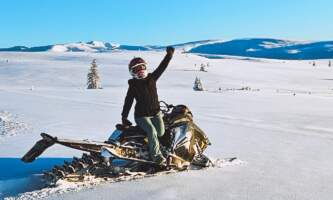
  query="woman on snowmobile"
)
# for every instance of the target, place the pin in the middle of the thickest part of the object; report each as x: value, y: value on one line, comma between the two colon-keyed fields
x: 147, y: 114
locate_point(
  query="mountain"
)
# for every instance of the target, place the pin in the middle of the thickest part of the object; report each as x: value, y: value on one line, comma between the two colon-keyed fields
x: 93, y: 46
x: 99, y: 46
x: 268, y: 48
x: 256, y: 47
x: 15, y: 48
x: 190, y: 45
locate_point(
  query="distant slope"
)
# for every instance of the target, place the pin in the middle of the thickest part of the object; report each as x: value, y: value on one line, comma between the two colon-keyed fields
x: 99, y: 46
x: 93, y: 46
x: 15, y: 48
x: 268, y: 48
x: 257, y: 47
x: 190, y: 45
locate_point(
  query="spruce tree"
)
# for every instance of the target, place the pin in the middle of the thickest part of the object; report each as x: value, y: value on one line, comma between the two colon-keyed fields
x: 197, y: 85
x: 94, y: 81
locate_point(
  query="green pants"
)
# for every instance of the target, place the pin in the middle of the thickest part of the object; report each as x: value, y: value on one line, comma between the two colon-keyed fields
x: 154, y: 127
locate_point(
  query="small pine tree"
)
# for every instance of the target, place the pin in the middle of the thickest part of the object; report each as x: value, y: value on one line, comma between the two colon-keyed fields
x: 203, y: 68
x: 197, y: 85
x: 94, y: 81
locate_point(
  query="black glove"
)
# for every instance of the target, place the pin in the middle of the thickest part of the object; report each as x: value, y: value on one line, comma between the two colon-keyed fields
x: 126, y: 122
x: 170, y: 50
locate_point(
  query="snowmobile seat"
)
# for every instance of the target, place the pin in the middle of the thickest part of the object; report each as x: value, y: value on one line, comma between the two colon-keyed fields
x: 179, y: 114
x: 130, y: 130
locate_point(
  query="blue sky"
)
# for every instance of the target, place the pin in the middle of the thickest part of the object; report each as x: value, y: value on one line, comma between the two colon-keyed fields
x: 41, y: 22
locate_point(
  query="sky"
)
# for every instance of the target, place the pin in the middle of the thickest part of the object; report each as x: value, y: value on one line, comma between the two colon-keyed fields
x: 161, y: 22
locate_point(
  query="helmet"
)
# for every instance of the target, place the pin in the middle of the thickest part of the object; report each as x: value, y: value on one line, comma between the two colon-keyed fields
x: 138, y: 68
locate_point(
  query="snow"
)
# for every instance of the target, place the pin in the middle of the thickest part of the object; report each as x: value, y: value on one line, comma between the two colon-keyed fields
x: 281, y: 129
x: 11, y: 125
x: 92, y: 46
x: 293, y: 51
x: 252, y: 50
x: 277, y: 44
x: 59, y: 48
x: 99, y: 44
x: 190, y: 45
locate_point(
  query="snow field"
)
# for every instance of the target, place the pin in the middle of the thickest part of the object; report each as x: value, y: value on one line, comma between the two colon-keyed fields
x: 281, y: 129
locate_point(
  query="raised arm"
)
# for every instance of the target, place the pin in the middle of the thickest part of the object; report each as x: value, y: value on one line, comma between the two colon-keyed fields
x: 128, y: 103
x: 163, y: 65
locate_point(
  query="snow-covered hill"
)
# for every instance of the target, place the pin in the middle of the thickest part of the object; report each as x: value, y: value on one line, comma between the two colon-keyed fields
x: 190, y: 45
x: 93, y: 46
x: 258, y: 47
x: 269, y: 48
x: 99, y: 46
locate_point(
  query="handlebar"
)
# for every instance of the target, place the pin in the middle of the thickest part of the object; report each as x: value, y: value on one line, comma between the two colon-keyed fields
x: 165, y: 108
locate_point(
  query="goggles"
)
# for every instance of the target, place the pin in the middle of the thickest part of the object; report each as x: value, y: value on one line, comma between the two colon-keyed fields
x: 136, y: 68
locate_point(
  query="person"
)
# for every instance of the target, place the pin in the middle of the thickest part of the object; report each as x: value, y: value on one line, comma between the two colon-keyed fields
x: 147, y: 114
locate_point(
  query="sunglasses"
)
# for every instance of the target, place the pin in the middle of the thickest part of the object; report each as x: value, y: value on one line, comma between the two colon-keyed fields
x: 138, y: 68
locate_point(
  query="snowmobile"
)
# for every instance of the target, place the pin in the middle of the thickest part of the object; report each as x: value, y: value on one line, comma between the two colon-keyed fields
x: 126, y: 150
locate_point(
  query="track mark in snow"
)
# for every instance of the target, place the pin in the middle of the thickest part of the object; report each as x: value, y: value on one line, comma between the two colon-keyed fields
x: 48, y: 96
x: 319, y: 129
x: 228, y: 117
x: 223, y: 162
x: 11, y: 125
x: 322, y: 132
x: 63, y: 186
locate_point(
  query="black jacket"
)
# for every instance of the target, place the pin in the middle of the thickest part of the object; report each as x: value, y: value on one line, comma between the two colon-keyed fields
x: 145, y: 93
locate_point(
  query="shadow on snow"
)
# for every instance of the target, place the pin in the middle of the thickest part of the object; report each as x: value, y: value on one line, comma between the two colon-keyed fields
x: 18, y: 177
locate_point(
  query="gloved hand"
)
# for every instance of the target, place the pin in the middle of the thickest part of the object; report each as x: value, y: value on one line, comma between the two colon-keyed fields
x: 170, y: 50
x: 126, y: 122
